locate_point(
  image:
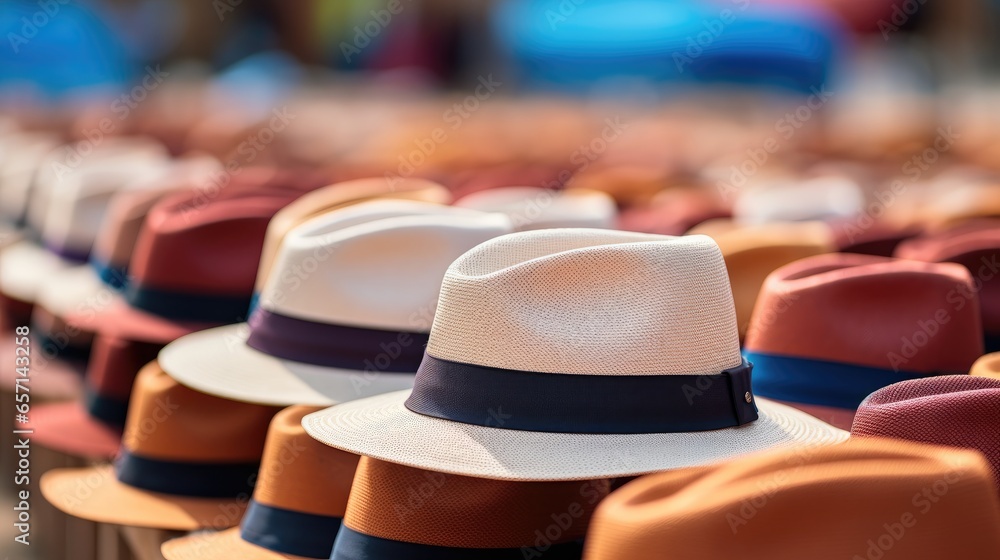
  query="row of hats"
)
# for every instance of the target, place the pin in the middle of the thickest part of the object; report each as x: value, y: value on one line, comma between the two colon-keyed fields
x: 502, y: 316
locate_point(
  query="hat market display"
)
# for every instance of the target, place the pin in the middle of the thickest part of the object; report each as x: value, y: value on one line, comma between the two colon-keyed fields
x: 952, y: 410
x: 285, y: 287
x: 534, y: 208
x: 920, y: 501
x: 403, y: 512
x: 829, y: 330
x: 976, y: 246
x: 298, y: 504
x: 353, y: 323
x: 562, y: 381
x: 187, y: 461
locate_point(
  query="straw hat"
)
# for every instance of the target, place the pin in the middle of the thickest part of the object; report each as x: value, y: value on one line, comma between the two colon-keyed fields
x: 819, y: 198
x: 404, y: 513
x: 345, y: 311
x: 297, y: 506
x: 830, y: 329
x: 575, y: 354
x: 952, y: 410
x: 188, y: 461
x: 535, y: 208
x: 863, y: 499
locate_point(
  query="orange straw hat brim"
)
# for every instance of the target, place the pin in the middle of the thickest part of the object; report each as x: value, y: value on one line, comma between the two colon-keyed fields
x: 96, y: 495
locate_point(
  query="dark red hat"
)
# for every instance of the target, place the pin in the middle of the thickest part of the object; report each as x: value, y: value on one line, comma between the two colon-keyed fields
x: 975, y: 246
x: 829, y: 330
x: 953, y: 410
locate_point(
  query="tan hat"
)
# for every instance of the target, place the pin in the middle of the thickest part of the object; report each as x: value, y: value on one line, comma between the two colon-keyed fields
x: 188, y: 461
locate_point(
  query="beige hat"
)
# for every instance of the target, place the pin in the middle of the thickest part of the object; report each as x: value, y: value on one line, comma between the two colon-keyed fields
x: 574, y: 354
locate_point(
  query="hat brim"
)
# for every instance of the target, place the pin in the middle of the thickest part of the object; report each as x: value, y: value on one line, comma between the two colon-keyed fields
x: 117, y: 318
x: 53, y: 380
x: 94, y: 494
x: 383, y: 428
x: 840, y: 417
x: 24, y: 266
x: 219, y: 362
x: 68, y: 428
x: 73, y: 290
x: 222, y: 545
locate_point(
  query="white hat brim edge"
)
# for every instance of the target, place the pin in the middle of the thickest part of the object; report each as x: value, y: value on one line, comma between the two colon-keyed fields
x: 381, y: 427
x: 24, y: 265
x: 218, y: 362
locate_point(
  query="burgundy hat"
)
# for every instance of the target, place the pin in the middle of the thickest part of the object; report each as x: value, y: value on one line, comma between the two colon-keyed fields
x: 93, y: 428
x: 975, y: 246
x: 878, y: 238
x: 829, y: 330
x: 953, y: 410
x: 196, y: 259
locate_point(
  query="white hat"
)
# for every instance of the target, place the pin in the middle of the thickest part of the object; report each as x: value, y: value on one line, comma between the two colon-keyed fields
x: 67, y: 207
x: 819, y: 198
x: 345, y: 311
x: 576, y: 354
x: 536, y: 208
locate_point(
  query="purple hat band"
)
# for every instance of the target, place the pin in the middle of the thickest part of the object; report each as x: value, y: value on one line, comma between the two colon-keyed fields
x: 336, y: 346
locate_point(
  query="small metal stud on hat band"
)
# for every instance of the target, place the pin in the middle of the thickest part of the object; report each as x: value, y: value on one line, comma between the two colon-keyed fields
x: 748, y: 397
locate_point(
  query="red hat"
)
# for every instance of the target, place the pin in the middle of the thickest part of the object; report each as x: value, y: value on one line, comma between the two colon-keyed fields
x: 975, y: 246
x: 953, y: 410
x: 829, y: 330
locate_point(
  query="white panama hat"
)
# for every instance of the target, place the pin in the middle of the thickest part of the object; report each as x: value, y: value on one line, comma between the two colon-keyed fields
x: 345, y: 310
x: 537, y: 208
x: 575, y: 354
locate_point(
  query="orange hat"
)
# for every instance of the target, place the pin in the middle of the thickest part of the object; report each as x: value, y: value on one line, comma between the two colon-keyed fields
x: 298, y: 504
x: 188, y: 461
x: 402, y: 512
x: 868, y: 499
x: 987, y: 366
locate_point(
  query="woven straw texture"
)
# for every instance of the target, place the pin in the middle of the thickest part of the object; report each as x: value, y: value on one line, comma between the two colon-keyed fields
x: 589, y: 302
